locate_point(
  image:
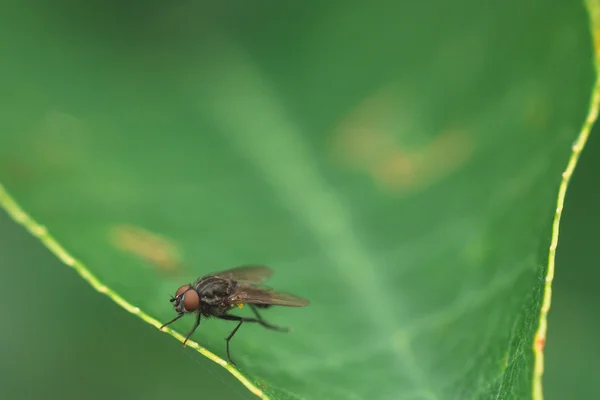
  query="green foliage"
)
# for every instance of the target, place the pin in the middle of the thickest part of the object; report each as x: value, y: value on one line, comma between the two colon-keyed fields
x: 397, y: 167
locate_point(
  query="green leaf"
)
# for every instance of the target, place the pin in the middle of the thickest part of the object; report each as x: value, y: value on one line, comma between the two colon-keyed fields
x: 399, y: 167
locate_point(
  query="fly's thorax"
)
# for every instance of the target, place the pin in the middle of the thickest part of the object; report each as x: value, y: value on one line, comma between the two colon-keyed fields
x: 212, y: 289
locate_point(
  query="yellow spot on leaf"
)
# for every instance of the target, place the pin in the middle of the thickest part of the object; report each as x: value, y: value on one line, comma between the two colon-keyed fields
x: 60, y: 140
x: 152, y: 247
x: 381, y: 138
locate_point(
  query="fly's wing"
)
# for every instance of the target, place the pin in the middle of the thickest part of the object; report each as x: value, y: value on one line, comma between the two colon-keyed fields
x: 249, y: 274
x: 255, y: 295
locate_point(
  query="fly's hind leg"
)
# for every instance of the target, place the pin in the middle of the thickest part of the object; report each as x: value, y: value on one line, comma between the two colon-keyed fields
x: 265, y: 323
x: 241, y: 320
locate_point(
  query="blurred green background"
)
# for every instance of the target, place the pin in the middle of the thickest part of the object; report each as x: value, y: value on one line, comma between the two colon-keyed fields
x: 517, y: 74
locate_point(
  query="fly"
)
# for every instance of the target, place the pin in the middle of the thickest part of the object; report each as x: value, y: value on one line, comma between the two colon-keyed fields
x: 215, y: 295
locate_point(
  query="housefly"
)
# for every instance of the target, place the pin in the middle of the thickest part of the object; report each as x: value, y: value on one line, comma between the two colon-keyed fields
x: 215, y: 295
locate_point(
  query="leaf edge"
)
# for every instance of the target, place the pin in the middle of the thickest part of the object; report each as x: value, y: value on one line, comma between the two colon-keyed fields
x: 593, y: 9
x: 40, y: 232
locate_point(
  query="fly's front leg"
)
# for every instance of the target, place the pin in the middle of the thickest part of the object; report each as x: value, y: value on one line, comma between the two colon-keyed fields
x: 171, y: 321
x: 193, y: 328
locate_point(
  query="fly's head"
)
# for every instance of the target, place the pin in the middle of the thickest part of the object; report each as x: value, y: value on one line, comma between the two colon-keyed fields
x: 186, y: 300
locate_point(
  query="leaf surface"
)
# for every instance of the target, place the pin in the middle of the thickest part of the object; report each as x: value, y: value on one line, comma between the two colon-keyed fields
x: 397, y: 167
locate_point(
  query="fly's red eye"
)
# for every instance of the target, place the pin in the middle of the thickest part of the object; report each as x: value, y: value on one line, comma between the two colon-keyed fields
x: 191, y: 301
x: 182, y: 289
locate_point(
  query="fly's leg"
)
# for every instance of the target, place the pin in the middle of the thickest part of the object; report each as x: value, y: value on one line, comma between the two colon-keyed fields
x: 265, y: 323
x: 241, y: 321
x: 171, y: 321
x: 193, y: 329
x: 228, y: 338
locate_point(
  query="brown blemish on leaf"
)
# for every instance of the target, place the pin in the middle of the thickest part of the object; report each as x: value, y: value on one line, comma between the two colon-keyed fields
x: 414, y: 169
x: 155, y: 249
x: 17, y: 169
x: 374, y: 139
x: 60, y: 140
x: 540, y: 343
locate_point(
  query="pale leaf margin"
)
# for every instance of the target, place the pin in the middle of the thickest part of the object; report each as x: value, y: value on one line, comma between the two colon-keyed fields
x: 593, y: 8
x: 40, y: 232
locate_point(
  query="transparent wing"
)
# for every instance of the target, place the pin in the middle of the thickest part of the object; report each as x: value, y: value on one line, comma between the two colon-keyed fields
x: 251, y: 274
x: 255, y: 295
